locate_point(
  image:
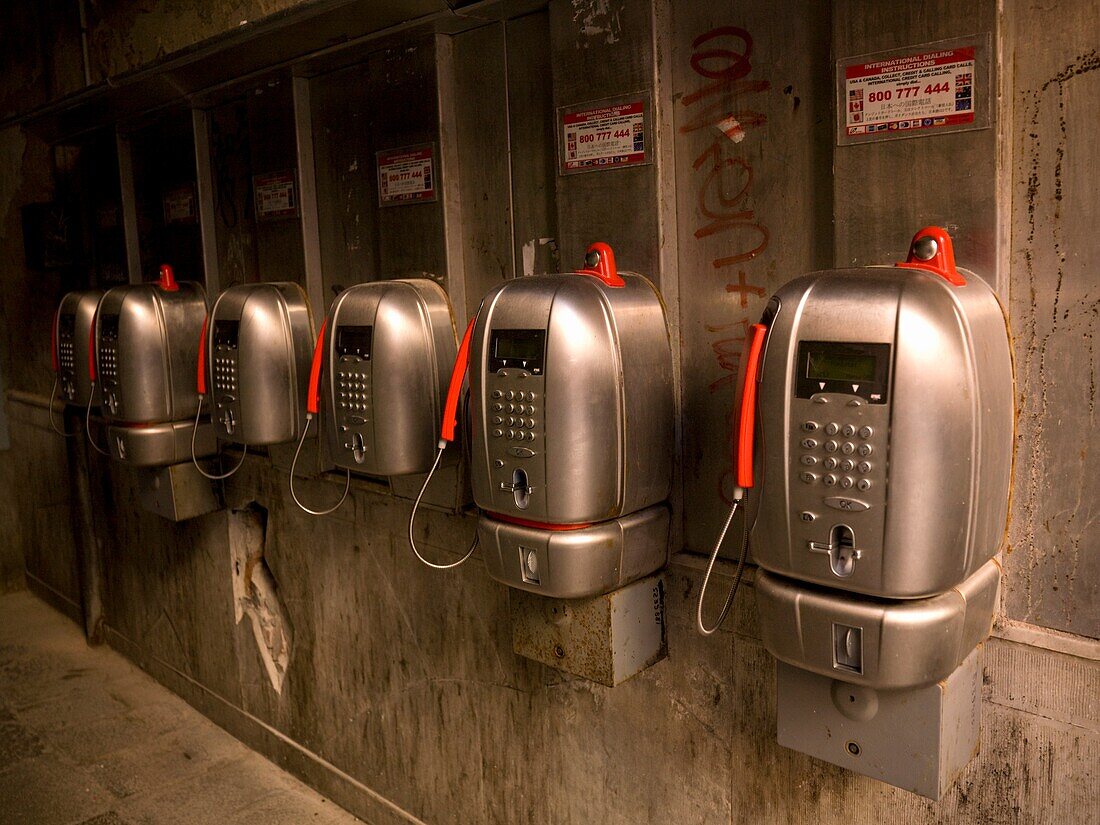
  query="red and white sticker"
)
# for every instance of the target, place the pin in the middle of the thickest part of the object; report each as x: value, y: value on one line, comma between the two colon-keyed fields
x: 607, y: 137
x: 929, y: 90
x: 275, y: 195
x: 180, y: 204
x: 406, y: 175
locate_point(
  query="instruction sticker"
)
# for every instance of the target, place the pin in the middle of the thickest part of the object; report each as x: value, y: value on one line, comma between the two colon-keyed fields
x: 604, y: 138
x: 908, y: 93
x: 275, y: 195
x: 180, y: 204
x: 406, y: 175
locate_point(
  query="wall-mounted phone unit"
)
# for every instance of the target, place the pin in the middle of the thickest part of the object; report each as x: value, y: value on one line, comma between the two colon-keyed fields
x: 379, y: 372
x: 571, y: 407
x: 883, y: 400
x: 254, y: 362
x: 146, y: 350
x: 70, y: 350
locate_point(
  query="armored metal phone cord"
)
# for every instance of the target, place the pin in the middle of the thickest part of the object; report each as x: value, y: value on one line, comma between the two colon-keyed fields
x: 293, y: 466
x: 707, y: 631
x: 195, y: 461
x: 53, y: 423
x: 88, y: 423
x: 412, y: 518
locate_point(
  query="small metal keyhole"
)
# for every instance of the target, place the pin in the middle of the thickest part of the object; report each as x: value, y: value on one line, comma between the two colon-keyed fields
x: 853, y: 748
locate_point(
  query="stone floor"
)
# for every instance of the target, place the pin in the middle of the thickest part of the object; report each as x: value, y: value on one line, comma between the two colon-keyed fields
x: 87, y: 738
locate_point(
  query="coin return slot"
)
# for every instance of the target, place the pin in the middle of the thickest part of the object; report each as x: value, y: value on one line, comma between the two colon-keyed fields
x: 848, y: 648
x: 529, y: 565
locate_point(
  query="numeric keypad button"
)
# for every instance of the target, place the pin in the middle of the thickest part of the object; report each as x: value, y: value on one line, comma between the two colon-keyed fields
x: 865, y: 450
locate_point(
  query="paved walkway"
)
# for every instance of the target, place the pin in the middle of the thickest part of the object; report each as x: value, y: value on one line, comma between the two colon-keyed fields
x: 86, y: 738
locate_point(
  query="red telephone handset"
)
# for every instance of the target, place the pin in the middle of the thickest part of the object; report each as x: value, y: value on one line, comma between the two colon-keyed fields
x: 932, y: 250
x: 745, y: 436
x: 201, y: 382
x: 91, y: 346
x: 462, y: 363
x: 313, y: 399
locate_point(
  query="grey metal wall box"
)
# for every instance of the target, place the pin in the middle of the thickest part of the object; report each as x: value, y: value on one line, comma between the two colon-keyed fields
x: 605, y: 639
x: 917, y: 739
x: 178, y: 492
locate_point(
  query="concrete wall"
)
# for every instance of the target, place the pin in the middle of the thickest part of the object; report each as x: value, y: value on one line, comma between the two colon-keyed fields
x: 402, y: 699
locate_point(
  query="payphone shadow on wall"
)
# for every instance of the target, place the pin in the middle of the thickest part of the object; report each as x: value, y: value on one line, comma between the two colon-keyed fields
x: 882, y: 499
x: 571, y: 409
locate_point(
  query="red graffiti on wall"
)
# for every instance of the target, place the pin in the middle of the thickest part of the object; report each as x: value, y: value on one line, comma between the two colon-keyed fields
x: 722, y: 56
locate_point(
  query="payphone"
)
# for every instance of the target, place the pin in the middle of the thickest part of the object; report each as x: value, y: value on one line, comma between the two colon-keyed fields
x: 69, y: 350
x: 387, y: 346
x: 254, y: 361
x: 146, y: 348
x: 883, y: 398
x: 571, y: 406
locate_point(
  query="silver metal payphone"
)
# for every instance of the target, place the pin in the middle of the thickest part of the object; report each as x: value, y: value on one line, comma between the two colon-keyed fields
x: 146, y: 348
x: 572, y: 429
x: 254, y: 358
x: 388, y: 345
x: 884, y: 401
x: 70, y: 350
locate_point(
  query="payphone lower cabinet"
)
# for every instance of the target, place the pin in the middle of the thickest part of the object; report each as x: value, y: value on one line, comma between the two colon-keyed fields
x: 919, y: 739
x: 889, y: 689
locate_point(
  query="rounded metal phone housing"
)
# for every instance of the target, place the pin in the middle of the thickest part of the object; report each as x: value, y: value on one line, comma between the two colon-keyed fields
x: 147, y: 344
x: 75, y: 316
x: 259, y: 342
x: 389, y: 348
x: 886, y: 416
x: 571, y: 399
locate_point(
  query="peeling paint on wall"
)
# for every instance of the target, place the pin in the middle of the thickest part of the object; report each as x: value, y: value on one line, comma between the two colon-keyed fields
x: 598, y: 21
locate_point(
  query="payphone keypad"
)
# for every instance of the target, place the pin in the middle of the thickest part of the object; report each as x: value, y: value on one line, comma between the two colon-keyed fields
x: 108, y: 360
x: 226, y: 335
x: 838, y: 454
x: 66, y: 353
x: 354, y: 398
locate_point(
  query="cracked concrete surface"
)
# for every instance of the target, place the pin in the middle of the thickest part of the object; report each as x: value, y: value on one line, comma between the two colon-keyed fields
x: 87, y: 738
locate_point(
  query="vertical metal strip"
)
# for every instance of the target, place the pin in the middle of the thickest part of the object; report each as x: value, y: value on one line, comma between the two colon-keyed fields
x: 307, y: 187
x: 200, y: 123
x: 129, y: 207
x: 450, y: 178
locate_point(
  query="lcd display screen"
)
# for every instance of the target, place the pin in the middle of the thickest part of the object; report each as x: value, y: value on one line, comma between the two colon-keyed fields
x: 354, y: 340
x: 66, y: 326
x: 225, y: 333
x: 517, y: 349
x: 832, y: 365
x: 522, y: 348
x: 108, y: 328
